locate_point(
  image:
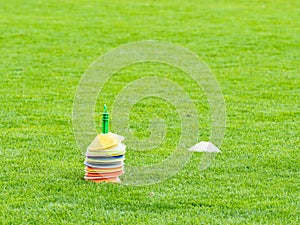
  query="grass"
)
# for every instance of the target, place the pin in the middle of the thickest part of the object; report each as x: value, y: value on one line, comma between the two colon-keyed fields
x: 251, y: 46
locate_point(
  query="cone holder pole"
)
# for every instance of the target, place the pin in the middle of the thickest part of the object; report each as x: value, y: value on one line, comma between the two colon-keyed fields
x: 105, y: 120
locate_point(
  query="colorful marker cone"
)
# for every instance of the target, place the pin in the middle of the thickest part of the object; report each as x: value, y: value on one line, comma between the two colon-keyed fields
x: 105, y: 156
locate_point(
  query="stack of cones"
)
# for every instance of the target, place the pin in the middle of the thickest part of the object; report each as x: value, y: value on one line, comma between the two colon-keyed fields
x: 105, y: 156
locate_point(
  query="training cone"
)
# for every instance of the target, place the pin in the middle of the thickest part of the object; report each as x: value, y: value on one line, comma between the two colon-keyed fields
x: 105, y: 156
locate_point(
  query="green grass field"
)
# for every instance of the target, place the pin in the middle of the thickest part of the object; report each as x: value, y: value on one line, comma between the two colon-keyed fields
x: 252, y: 47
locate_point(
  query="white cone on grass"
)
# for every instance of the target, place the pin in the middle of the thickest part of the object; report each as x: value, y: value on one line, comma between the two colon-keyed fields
x: 204, y: 146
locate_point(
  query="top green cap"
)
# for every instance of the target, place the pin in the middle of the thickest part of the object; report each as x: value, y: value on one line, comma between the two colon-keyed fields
x: 105, y: 120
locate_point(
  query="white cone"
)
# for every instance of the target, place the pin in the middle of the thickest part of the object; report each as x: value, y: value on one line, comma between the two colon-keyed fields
x: 204, y: 146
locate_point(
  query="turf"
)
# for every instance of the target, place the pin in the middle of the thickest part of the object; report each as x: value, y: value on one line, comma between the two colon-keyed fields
x: 252, y: 47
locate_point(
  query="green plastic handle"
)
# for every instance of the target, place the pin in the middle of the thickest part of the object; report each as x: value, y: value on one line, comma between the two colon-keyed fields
x: 105, y: 120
